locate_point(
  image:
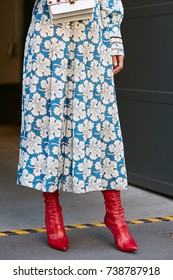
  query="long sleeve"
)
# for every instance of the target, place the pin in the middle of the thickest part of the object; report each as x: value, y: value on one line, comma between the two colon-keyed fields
x: 115, y: 12
x: 115, y: 27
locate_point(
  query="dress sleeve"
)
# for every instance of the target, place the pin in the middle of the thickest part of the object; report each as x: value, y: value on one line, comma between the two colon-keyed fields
x: 116, y: 16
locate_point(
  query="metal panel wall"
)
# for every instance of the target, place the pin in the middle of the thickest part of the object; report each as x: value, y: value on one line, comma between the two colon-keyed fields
x: 145, y: 94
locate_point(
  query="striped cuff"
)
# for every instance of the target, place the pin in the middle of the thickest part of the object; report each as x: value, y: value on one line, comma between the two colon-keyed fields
x: 117, y: 45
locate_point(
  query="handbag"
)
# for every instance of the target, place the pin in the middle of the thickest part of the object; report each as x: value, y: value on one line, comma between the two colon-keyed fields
x: 70, y: 10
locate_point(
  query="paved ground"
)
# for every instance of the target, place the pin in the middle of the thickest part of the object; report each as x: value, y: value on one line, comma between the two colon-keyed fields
x: 22, y: 208
x: 91, y: 244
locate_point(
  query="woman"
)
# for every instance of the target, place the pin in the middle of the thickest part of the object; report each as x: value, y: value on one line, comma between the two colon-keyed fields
x: 70, y: 134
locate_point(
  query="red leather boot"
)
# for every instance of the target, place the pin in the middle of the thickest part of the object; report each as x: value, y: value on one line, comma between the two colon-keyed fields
x: 115, y: 221
x: 56, y: 234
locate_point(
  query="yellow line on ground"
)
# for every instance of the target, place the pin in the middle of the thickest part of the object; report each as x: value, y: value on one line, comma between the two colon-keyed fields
x: 153, y: 220
x: 98, y: 224
x: 168, y: 217
x: 79, y: 226
x: 39, y: 229
x: 136, y: 221
x: 66, y: 228
x: 19, y: 231
x: 3, y: 234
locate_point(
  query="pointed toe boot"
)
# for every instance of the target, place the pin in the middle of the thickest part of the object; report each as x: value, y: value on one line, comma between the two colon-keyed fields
x: 115, y: 221
x: 56, y: 234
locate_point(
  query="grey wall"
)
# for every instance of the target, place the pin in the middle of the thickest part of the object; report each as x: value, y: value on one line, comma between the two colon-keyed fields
x: 11, y: 30
x: 11, y: 22
x: 145, y: 93
x: 16, y: 20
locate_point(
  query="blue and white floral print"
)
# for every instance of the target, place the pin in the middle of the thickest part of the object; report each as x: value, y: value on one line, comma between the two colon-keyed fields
x: 70, y: 132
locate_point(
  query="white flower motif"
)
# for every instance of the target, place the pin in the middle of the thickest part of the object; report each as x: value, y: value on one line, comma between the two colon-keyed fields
x: 46, y: 87
x: 61, y: 165
x: 113, y: 112
x: 109, y: 168
x: 121, y: 183
x: 55, y: 47
x: 86, y: 128
x: 123, y: 170
x: 33, y: 143
x: 79, y: 112
x: 106, y: 55
x: 86, y: 89
x: 26, y: 80
x: 52, y: 188
x: 39, y: 187
x: 98, y: 166
x: 29, y: 64
x: 68, y: 183
x: 94, y: 110
x: 43, y: 27
x: 107, y: 96
x: 62, y: 69
x: 37, y: 105
x: 78, y: 70
x: 28, y: 122
x: 55, y: 127
x: 41, y: 65
x: 94, y: 148
x: 52, y: 166
x: 23, y: 159
x: 85, y: 167
x: 43, y: 125
x: 40, y: 9
x: 110, y: 75
x: 63, y: 31
x: 108, y: 131
x: 93, y: 33
x: 96, y: 71
x: 94, y: 183
x: 78, y: 149
x: 38, y: 164
x: 117, y: 149
x: 56, y: 150
x: 104, y: 184
x: 87, y: 51
x: 78, y: 185
x: 36, y: 43
x: 26, y: 178
x: 78, y: 31
x: 119, y: 133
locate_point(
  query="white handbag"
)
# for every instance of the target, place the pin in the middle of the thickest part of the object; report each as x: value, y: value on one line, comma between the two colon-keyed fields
x: 70, y: 10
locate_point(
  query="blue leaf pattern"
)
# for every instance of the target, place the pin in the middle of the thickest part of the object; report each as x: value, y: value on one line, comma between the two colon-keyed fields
x: 70, y: 131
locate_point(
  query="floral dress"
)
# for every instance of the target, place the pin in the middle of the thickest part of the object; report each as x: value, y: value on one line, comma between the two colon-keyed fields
x: 70, y: 130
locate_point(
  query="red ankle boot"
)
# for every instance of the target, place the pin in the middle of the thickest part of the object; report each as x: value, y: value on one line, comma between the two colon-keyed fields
x: 54, y: 221
x: 115, y: 221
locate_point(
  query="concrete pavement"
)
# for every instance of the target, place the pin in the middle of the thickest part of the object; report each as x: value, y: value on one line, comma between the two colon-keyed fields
x: 22, y: 208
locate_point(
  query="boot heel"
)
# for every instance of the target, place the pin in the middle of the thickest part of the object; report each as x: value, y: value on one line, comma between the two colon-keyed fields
x: 55, y: 229
x: 115, y: 221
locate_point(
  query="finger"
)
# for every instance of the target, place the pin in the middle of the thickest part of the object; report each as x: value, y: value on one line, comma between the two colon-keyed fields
x: 114, y: 61
x: 119, y: 67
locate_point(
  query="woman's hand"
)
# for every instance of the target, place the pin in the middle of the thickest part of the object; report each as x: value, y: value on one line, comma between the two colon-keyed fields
x: 118, y: 63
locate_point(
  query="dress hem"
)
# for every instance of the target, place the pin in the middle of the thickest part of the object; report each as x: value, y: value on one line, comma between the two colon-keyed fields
x: 70, y: 190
